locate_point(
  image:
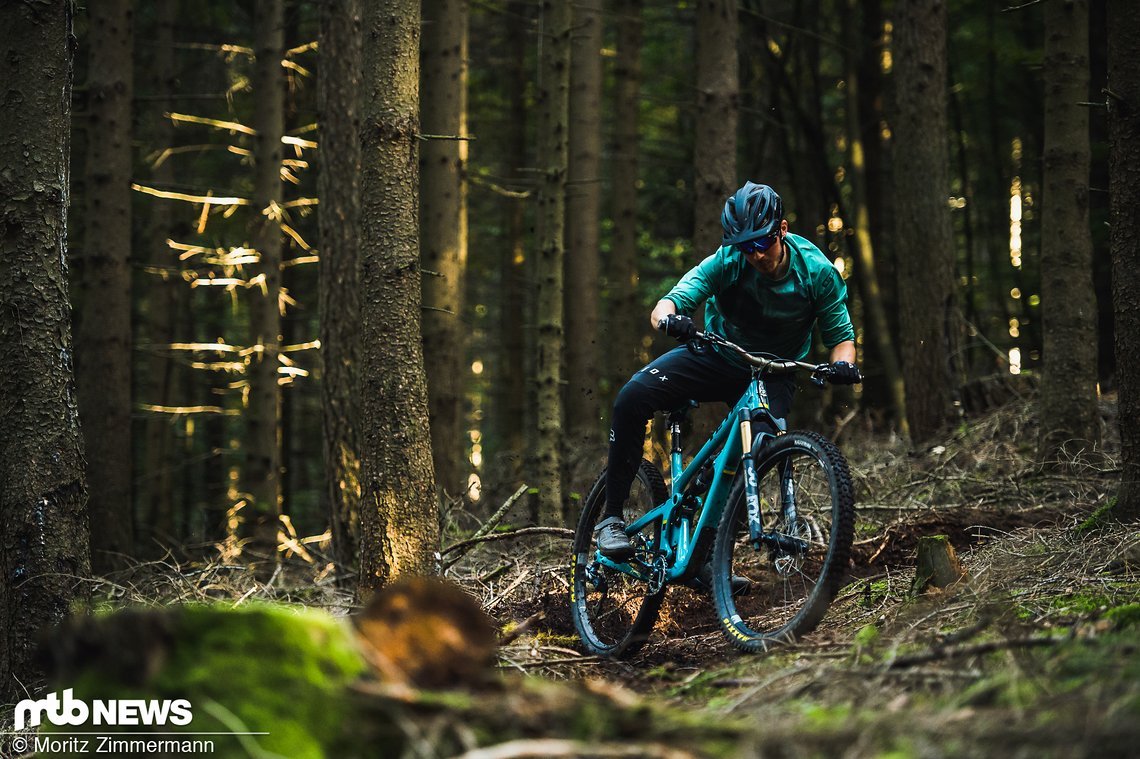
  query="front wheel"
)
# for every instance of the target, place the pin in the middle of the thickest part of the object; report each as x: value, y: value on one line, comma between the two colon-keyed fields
x: 795, y: 569
x: 614, y: 612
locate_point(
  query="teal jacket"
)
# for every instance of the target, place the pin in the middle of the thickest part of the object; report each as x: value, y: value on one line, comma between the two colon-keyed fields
x: 760, y: 314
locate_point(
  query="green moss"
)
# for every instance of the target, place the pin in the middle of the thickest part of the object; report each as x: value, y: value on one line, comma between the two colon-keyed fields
x: 868, y: 635
x: 1098, y: 517
x: 1124, y: 616
x: 260, y: 668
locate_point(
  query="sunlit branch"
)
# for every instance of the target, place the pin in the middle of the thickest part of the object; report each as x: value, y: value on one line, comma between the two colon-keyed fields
x: 300, y: 202
x: 299, y: 260
x: 231, y: 126
x: 296, y: 237
x: 301, y: 49
x: 187, y: 409
x: 296, y: 67
x: 207, y: 199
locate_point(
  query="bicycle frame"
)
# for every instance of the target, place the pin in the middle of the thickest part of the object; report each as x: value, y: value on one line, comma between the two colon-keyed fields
x: 679, y: 536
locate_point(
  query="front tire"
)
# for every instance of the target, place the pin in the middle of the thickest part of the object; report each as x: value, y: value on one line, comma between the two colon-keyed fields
x: 794, y: 582
x: 613, y: 612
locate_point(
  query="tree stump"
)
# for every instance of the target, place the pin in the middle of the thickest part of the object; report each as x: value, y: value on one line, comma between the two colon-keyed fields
x: 937, y: 564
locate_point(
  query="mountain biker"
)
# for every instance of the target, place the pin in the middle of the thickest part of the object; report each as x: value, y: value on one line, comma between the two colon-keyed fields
x: 764, y: 289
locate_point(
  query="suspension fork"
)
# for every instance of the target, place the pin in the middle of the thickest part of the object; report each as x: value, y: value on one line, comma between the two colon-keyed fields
x: 751, y: 487
x: 788, y: 489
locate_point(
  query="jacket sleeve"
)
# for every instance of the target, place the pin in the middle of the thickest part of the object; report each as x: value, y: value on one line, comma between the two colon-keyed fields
x: 831, y: 308
x: 702, y: 281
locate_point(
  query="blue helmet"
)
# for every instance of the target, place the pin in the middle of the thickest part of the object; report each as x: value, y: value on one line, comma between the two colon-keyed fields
x: 755, y: 210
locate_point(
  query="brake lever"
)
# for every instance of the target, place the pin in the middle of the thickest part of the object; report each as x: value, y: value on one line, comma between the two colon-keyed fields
x: 698, y: 346
x: 819, y: 375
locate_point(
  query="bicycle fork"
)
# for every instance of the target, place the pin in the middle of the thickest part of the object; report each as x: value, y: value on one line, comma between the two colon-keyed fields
x: 777, y: 539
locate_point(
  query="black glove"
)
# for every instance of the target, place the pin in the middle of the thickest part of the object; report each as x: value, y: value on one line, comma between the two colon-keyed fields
x: 844, y: 373
x: 678, y: 326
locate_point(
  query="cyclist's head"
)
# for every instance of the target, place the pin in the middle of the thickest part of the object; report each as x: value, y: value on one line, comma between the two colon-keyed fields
x: 754, y: 211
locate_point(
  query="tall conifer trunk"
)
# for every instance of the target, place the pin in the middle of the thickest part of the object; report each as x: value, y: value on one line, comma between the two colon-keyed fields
x: 1124, y: 189
x: 583, y: 217
x: 43, y: 500
x: 399, y: 512
x: 338, y: 93
x: 627, y: 319
x: 1068, y: 412
x: 718, y: 94
x: 159, y: 458
x: 443, y: 233
x: 263, y: 459
x: 875, y: 313
x: 928, y: 309
x: 553, y: 100
x: 103, y: 324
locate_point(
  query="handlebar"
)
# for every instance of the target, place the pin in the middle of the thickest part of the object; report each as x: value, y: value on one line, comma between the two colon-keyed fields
x: 819, y: 372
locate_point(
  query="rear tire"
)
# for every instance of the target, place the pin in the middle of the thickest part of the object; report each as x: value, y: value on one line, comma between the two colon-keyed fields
x: 613, y: 612
x: 791, y: 588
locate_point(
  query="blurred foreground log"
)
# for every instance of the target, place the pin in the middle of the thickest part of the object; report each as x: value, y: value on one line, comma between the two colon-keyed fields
x: 303, y: 685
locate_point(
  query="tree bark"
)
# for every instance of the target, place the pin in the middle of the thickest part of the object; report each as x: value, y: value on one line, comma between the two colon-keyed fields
x: 874, y: 310
x: 43, y: 498
x: 928, y: 309
x: 103, y: 324
x: 1067, y: 404
x: 626, y: 317
x: 443, y: 241
x: 510, y: 389
x: 263, y: 452
x: 165, y: 295
x: 583, y: 217
x: 718, y: 94
x: 553, y: 103
x: 1124, y: 190
x: 399, y: 513
x: 339, y: 79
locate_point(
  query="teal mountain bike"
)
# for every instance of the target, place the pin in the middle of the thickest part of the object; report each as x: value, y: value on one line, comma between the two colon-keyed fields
x: 773, y: 509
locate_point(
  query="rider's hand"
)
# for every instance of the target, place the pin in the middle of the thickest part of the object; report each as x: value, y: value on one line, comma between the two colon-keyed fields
x: 844, y: 373
x: 678, y: 326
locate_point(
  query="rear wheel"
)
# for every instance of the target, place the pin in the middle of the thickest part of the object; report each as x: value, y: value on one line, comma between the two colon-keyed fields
x: 808, y: 507
x: 614, y: 612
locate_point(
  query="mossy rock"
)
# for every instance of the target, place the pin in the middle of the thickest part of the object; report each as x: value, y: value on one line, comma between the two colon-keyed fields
x: 268, y: 669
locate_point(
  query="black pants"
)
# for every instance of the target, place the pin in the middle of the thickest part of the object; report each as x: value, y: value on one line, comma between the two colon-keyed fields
x: 666, y: 384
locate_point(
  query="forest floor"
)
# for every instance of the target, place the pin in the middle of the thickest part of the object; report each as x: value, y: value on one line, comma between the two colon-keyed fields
x: 1034, y: 654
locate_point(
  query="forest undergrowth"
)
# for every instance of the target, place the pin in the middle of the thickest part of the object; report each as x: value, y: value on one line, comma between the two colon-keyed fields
x: 1033, y: 653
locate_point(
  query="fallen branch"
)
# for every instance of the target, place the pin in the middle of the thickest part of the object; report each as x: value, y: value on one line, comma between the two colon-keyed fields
x: 937, y: 654
x: 561, y: 532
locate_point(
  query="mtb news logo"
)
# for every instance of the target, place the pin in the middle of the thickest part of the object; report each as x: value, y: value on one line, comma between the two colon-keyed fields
x: 72, y: 711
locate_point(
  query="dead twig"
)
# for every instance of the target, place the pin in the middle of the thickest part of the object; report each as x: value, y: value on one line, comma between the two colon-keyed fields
x: 561, y: 532
x: 954, y: 652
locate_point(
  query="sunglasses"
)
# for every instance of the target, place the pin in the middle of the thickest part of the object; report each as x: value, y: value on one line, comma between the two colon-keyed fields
x: 758, y: 245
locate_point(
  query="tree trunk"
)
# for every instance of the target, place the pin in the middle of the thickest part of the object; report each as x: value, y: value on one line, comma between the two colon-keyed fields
x: 874, y: 311
x: 1067, y: 406
x: 339, y: 79
x: 399, y: 512
x: 928, y: 310
x: 626, y: 316
x: 263, y: 453
x: 164, y: 298
x: 43, y: 498
x: 718, y: 92
x: 103, y: 324
x: 510, y: 394
x: 1124, y: 190
x: 553, y: 100
x: 583, y: 217
x: 443, y: 240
